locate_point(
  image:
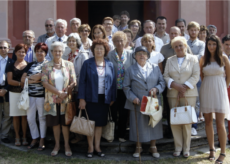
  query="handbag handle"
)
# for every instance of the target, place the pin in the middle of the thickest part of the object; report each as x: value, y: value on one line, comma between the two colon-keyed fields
x: 178, y: 98
x: 110, y: 115
x: 79, y: 115
x: 151, y: 95
x: 26, y: 84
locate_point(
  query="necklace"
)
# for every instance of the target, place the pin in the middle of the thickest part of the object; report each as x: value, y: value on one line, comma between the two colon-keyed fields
x: 100, y: 69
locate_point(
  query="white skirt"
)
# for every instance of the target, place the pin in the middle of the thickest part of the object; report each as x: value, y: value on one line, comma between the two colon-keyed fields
x: 14, y: 111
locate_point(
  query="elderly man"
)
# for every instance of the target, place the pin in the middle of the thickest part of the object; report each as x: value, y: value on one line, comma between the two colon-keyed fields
x: 212, y: 29
x: 108, y: 25
x: 167, y: 51
x: 49, y: 26
x: 28, y: 39
x: 149, y: 28
x: 161, y: 24
x: 74, y: 24
x: 5, y: 120
x: 181, y: 24
x: 60, y: 30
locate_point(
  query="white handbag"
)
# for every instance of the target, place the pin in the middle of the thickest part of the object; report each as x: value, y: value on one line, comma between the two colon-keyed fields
x: 183, y: 115
x: 23, y: 102
x: 108, y: 130
x: 155, y: 117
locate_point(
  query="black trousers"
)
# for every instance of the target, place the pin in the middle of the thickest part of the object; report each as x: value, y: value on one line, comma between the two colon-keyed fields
x: 120, y: 115
x: 166, y: 113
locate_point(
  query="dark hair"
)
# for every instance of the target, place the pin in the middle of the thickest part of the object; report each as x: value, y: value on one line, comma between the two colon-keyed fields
x: 42, y: 46
x: 161, y: 18
x: 180, y: 20
x: 102, y: 30
x: 102, y: 42
x: 204, y: 28
x: 218, y: 54
x: 115, y: 17
x: 125, y: 13
x: 226, y: 38
x: 128, y: 31
x: 19, y: 47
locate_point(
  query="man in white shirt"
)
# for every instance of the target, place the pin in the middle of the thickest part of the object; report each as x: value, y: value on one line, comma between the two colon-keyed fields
x: 149, y: 28
x: 49, y: 26
x: 108, y: 25
x: 60, y: 30
x: 28, y: 37
x: 74, y: 24
x: 5, y: 119
x: 125, y: 17
x: 161, y: 24
x: 181, y: 23
x: 212, y: 29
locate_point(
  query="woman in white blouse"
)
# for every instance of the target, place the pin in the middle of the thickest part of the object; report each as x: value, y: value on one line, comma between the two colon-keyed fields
x: 155, y: 57
x: 84, y: 31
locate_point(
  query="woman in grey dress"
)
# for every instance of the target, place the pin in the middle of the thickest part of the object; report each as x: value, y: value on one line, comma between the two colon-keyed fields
x: 140, y: 79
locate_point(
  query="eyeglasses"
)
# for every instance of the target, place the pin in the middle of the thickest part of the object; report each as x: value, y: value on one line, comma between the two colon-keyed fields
x: 86, y: 31
x: 47, y: 25
x: 99, y: 49
x: 108, y: 24
x: 135, y: 26
x: 27, y: 37
x: 3, y: 48
x: 99, y: 33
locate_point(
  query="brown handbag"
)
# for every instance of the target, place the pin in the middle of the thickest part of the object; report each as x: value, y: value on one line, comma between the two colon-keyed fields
x: 82, y: 126
x: 70, y: 111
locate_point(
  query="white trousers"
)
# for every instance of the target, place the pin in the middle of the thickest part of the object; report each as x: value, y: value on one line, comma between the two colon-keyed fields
x: 36, y: 104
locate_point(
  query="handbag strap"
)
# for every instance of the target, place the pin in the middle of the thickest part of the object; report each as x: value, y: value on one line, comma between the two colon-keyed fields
x: 79, y: 115
x: 26, y: 84
x: 178, y: 98
x: 110, y: 115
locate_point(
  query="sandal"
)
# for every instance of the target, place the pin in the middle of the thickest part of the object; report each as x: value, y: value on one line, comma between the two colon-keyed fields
x: 54, y: 153
x: 40, y: 148
x: 136, y: 155
x: 219, y: 161
x: 155, y: 155
x: 186, y: 154
x: 17, y: 142
x: 33, y: 145
x: 99, y: 154
x: 176, y: 153
x: 211, y: 158
x: 89, y: 155
x: 24, y: 143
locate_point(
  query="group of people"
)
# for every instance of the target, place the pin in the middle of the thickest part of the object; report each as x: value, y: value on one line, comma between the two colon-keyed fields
x: 112, y: 72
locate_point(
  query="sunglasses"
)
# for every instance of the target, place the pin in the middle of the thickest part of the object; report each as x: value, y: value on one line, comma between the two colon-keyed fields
x: 4, y: 48
x: 47, y: 25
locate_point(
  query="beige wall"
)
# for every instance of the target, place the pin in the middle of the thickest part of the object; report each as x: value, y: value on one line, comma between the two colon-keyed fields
x: 39, y: 11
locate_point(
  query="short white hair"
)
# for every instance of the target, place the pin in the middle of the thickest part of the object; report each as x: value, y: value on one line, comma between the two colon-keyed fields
x: 57, y: 44
x: 181, y: 39
x: 76, y: 37
x: 49, y: 19
x: 76, y: 19
x: 61, y: 21
x: 28, y: 31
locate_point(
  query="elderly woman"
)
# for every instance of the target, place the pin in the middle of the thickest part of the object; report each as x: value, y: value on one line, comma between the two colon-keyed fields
x: 122, y: 59
x: 84, y: 31
x: 98, y: 32
x: 58, y: 77
x: 215, y: 76
x: 97, y: 91
x: 14, y: 74
x: 129, y: 35
x: 182, y: 72
x: 155, y: 57
x: 74, y: 43
x: 135, y: 27
x: 36, y: 94
x: 203, y: 33
x: 141, y: 79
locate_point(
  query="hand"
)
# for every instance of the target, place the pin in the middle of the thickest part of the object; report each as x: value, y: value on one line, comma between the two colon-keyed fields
x: 136, y: 101
x: 154, y: 91
x: 36, y: 77
x: 181, y: 95
x: 186, y: 86
x: 131, y: 44
x: 180, y: 87
x: 111, y: 103
x: 69, y: 89
x: 58, y: 100
x: 2, y: 92
x: 82, y: 104
x: 62, y: 95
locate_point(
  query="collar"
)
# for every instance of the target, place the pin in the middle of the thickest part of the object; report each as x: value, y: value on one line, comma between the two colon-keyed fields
x: 110, y: 36
x: 142, y: 68
x: 47, y: 36
x: 6, y: 58
x: 194, y: 41
x: 62, y: 38
x: 165, y: 34
x: 52, y: 63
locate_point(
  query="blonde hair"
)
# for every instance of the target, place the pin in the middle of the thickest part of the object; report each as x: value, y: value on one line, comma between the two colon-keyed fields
x: 119, y: 34
x: 133, y: 22
x: 83, y: 26
x: 147, y: 37
x: 193, y: 24
x: 181, y: 39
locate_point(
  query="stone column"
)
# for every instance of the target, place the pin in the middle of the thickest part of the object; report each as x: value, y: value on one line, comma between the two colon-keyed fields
x: 4, y: 21
x: 39, y: 11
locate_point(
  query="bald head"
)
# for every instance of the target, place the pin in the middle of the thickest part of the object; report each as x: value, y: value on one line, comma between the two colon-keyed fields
x: 174, y: 32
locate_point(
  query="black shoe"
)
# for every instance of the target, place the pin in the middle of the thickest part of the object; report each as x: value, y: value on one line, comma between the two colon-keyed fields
x: 89, y: 155
x: 218, y: 144
x: 100, y: 154
x: 229, y: 142
x: 5, y: 140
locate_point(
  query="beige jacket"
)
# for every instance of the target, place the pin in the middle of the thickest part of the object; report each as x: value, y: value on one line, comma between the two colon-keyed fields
x: 188, y: 73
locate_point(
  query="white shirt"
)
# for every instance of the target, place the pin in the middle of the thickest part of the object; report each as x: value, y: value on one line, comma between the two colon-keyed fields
x: 180, y: 61
x: 158, y: 42
x: 3, y: 62
x: 143, y: 70
x: 101, y: 82
x: 110, y: 39
x: 82, y: 46
x: 59, y: 79
x: 114, y: 29
x: 156, y: 57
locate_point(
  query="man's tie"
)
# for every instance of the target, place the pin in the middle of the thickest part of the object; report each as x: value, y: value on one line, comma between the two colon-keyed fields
x: 59, y: 39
